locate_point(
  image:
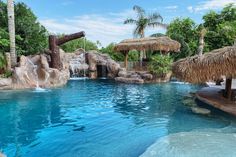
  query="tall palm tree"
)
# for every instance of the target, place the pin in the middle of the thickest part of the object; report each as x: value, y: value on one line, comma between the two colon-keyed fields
x: 11, y: 28
x: 143, y: 21
x: 202, y: 34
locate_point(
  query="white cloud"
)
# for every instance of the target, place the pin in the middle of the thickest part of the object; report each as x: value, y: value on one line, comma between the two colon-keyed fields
x: 210, y: 4
x: 173, y: 7
x: 106, y: 29
x: 190, y: 9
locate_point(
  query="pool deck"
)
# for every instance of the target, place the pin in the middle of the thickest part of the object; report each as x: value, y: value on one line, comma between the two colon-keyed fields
x: 213, y: 97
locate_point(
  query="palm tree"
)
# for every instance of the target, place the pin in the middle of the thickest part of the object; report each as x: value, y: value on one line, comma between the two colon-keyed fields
x: 143, y: 21
x: 11, y: 28
x: 202, y: 34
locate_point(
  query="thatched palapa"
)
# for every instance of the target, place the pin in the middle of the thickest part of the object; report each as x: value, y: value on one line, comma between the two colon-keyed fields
x: 210, y: 66
x: 164, y: 44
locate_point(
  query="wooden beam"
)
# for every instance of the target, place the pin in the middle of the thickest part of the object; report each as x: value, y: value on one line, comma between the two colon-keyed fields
x: 55, y: 42
x: 228, y: 88
x: 70, y: 37
x: 126, y: 60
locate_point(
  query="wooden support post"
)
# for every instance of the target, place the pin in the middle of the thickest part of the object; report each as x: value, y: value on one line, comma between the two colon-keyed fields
x: 55, y: 55
x: 228, y: 87
x: 55, y: 42
x: 126, y: 60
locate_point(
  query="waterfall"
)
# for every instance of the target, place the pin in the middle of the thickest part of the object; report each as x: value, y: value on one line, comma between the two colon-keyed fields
x: 35, y: 68
x: 84, y: 55
x: 78, y: 65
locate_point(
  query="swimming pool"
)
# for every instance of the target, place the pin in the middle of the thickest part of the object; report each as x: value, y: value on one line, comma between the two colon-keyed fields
x: 97, y: 118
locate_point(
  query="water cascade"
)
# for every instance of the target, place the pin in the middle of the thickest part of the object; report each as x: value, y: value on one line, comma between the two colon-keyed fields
x: 35, y: 67
x: 78, y: 65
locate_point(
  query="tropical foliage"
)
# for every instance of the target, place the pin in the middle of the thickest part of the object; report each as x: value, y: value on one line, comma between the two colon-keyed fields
x: 219, y: 31
x: 221, y: 27
x: 160, y: 64
x: 184, y: 30
x: 31, y: 37
x: 73, y: 45
x: 117, y: 56
x: 143, y: 21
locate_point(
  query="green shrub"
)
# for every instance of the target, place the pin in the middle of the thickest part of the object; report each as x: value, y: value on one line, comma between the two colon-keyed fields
x: 3, y: 61
x: 7, y: 74
x: 160, y: 65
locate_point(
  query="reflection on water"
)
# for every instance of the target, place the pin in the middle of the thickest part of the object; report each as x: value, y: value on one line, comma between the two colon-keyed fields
x: 96, y: 118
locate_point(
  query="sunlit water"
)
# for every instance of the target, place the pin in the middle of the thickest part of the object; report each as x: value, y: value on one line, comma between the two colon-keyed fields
x: 97, y: 118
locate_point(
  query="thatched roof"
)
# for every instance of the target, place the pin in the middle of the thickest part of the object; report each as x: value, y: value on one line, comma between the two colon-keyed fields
x: 164, y: 44
x: 210, y: 66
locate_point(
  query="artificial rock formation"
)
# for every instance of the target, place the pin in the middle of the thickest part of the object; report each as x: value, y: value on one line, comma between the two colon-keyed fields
x: 96, y: 59
x: 35, y: 72
x: 87, y: 64
x: 140, y: 77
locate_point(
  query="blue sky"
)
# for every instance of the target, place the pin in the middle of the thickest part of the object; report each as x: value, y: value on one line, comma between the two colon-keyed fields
x: 103, y: 19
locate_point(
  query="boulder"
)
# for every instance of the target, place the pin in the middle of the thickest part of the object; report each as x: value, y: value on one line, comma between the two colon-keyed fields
x: 147, y: 76
x: 35, y: 71
x: 129, y: 80
x: 199, y: 110
x: 5, y: 83
x: 122, y: 73
x: 95, y: 58
x: 113, y: 68
x: 189, y: 102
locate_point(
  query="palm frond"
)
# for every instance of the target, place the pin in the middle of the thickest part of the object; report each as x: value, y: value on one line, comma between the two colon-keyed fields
x: 155, y: 17
x: 138, y: 32
x: 139, y: 10
x: 157, y: 24
x: 130, y: 21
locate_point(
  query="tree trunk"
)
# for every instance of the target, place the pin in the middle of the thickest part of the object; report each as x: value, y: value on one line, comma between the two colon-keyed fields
x: 126, y: 60
x: 201, y: 46
x: 54, y: 44
x: 144, y: 55
x: 11, y: 29
x: 201, y: 41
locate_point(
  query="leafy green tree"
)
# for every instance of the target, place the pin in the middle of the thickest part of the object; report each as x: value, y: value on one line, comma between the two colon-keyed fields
x: 73, y: 45
x: 4, y: 40
x: 117, y: 56
x: 184, y: 31
x: 4, y: 45
x: 157, y: 35
x: 31, y: 36
x: 34, y: 35
x: 221, y: 27
x: 160, y: 64
x: 185, y: 50
x: 143, y: 21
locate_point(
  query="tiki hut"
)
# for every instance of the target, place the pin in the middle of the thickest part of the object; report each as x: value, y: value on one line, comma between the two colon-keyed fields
x: 164, y: 44
x: 210, y: 66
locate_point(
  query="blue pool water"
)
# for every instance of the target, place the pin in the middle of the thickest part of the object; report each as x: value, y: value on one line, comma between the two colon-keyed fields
x: 96, y: 118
